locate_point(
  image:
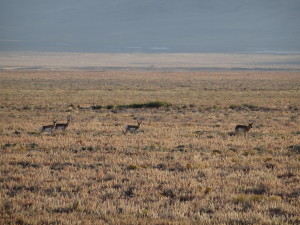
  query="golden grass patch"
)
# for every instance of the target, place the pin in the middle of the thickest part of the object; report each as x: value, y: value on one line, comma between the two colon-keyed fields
x: 183, y: 166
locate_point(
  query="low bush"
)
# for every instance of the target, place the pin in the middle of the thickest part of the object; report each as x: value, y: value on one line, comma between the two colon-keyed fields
x: 243, y: 107
x: 153, y: 104
x: 95, y: 107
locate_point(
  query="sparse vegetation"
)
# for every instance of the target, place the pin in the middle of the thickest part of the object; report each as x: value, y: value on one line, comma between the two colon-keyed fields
x: 243, y: 107
x: 184, y: 168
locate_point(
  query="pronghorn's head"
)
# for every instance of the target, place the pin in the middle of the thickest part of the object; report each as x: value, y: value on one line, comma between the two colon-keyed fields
x: 139, y: 123
x: 54, y: 122
x: 69, y: 118
x: 250, y: 125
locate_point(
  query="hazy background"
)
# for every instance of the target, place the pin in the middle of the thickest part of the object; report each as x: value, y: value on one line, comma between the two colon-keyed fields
x: 116, y: 26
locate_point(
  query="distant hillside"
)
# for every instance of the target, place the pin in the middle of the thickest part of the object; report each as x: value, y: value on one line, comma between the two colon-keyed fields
x: 150, y: 25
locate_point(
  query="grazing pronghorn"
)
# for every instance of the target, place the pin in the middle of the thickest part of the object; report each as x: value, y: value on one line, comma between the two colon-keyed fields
x: 63, y: 126
x: 132, y: 128
x: 49, y: 128
x: 243, y: 129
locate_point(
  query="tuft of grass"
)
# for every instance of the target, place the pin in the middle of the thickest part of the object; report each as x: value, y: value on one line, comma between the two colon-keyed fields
x: 243, y: 107
x: 72, y: 106
x: 274, y: 198
x: 132, y: 167
x: 216, y: 151
x: 189, y: 166
x: 294, y: 148
x: 248, y: 198
x: 76, y: 206
x: 27, y: 107
x: 9, y: 145
x: 260, y: 149
x: 207, y: 190
x: 168, y: 193
x: 32, y: 145
x: 17, y: 132
x: 130, y: 192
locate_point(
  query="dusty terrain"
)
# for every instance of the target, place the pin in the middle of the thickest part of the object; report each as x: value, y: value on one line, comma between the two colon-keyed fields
x: 139, y: 61
x: 184, y: 165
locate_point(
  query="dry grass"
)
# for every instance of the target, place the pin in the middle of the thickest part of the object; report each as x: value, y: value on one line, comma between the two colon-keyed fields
x: 181, y: 168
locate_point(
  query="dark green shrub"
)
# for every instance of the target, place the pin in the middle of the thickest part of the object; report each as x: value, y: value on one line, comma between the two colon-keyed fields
x: 234, y: 107
x: 154, y: 104
x: 136, y: 105
x: 95, y: 107
x: 157, y: 104
x: 109, y: 107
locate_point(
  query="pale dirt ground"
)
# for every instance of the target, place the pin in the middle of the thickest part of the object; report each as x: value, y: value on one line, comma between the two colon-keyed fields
x: 181, y: 61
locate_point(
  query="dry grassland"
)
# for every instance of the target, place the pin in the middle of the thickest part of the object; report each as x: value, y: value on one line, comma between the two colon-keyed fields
x: 182, y: 167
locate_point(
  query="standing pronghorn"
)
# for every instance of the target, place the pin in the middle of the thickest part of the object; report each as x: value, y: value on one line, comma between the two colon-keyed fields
x: 132, y: 128
x: 49, y: 128
x: 243, y: 129
x: 63, y: 126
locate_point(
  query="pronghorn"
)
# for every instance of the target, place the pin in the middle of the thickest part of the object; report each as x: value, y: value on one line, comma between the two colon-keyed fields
x: 243, y: 129
x: 63, y: 126
x: 49, y: 128
x: 132, y: 128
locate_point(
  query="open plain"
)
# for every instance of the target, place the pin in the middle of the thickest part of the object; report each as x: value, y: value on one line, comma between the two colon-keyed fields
x: 183, y: 166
